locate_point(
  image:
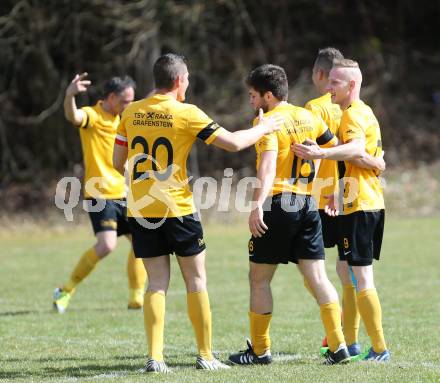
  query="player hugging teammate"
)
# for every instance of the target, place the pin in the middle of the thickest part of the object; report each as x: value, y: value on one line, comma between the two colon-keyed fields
x: 155, y: 136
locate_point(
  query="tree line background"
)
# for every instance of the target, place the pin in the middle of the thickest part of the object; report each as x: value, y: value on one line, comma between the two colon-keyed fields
x: 45, y: 42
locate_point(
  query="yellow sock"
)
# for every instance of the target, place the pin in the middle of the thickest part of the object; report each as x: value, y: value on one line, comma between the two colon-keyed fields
x: 371, y: 313
x: 309, y: 289
x: 154, y: 321
x: 136, y: 279
x: 136, y: 298
x: 83, y: 268
x: 199, y: 313
x: 260, y: 338
x: 136, y: 272
x: 331, y: 319
x: 350, y: 314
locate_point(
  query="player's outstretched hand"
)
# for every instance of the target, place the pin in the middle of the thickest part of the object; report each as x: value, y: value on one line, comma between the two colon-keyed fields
x: 331, y: 208
x: 272, y: 123
x: 256, y: 223
x: 78, y: 84
x: 309, y: 150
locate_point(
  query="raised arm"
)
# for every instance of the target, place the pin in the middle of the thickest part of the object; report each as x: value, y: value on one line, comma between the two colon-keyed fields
x: 242, y: 139
x: 265, y: 175
x: 71, y: 112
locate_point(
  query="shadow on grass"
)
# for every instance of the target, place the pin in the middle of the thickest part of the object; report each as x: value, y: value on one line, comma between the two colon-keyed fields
x: 87, y: 370
x: 51, y: 311
x: 17, y: 313
x: 71, y: 359
x: 44, y: 360
x: 79, y: 310
x: 84, y: 371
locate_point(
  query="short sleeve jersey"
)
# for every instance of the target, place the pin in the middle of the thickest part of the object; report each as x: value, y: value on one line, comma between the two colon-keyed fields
x: 294, y: 174
x: 363, y: 191
x: 159, y: 132
x: 97, y: 132
x: 328, y: 169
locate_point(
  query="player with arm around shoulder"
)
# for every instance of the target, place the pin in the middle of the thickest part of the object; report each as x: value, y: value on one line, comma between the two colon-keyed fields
x: 362, y: 223
x: 327, y: 183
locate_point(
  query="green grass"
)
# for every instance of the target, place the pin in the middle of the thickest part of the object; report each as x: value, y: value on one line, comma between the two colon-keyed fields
x: 99, y: 340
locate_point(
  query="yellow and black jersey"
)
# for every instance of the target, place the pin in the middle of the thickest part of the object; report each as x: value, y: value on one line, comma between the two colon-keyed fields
x: 362, y: 186
x: 329, y: 112
x: 159, y: 132
x: 294, y: 174
x: 97, y: 132
x: 328, y: 169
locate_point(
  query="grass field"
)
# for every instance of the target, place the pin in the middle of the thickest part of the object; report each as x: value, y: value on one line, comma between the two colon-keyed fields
x: 99, y: 340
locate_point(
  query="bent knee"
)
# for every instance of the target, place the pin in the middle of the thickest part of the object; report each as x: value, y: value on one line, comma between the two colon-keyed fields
x: 104, y: 248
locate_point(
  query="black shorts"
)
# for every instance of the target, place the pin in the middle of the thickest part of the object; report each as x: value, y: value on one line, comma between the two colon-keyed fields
x: 294, y: 231
x: 330, y: 229
x: 361, y: 239
x: 153, y: 237
x: 112, y: 217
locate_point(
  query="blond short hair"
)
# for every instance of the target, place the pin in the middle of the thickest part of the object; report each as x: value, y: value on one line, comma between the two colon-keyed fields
x: 345, y: 63
x: 350, y: 69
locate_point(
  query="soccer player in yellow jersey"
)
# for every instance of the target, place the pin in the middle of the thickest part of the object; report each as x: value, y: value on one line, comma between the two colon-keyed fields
x: 104, y: 187
x: 285, y: 223
x: 362, y: 223
x: 326, y: 185
x: 323, y: 107
x: 156, y: 135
